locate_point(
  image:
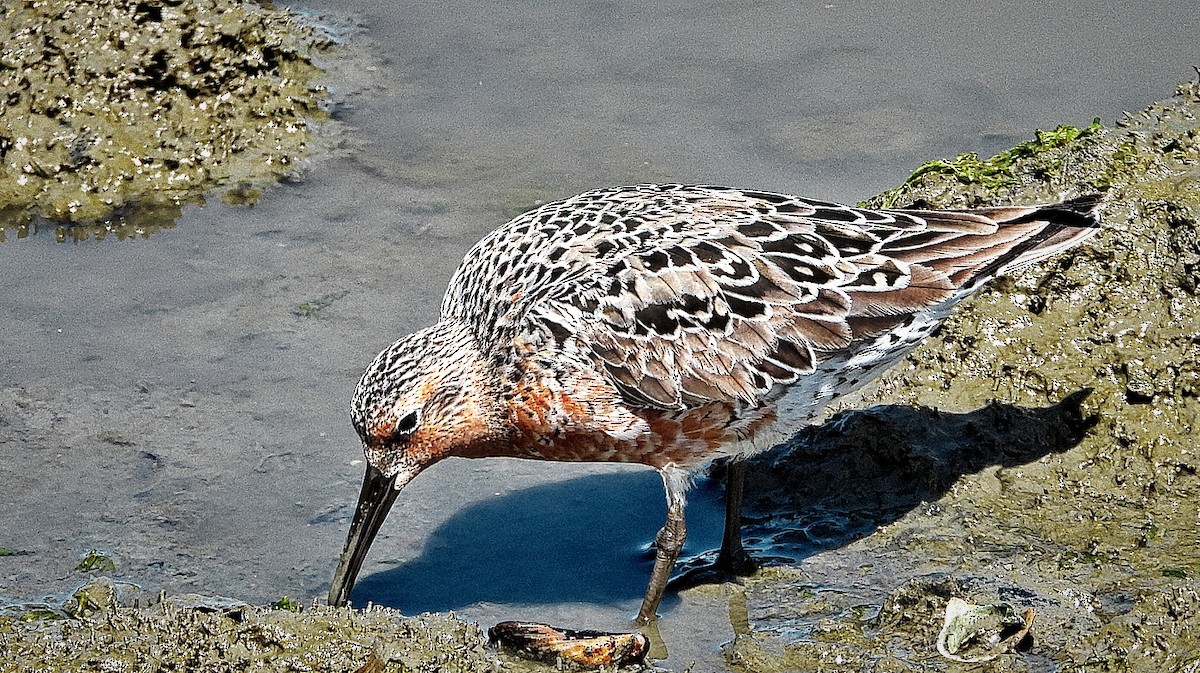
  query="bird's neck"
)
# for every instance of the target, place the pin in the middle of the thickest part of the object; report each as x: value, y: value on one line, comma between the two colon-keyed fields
x: 468, y: 394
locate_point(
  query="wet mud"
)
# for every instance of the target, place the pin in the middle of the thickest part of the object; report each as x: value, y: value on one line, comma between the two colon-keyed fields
x: 118, y: 113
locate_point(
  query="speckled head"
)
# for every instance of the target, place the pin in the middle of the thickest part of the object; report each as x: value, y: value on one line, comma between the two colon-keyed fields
x: 428, y: 396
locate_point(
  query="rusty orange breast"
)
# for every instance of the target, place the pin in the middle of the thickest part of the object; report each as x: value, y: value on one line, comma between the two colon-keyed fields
x: 548, y: 428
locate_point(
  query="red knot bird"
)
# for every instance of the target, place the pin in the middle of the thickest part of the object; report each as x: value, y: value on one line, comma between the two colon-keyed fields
x: 668, y: 325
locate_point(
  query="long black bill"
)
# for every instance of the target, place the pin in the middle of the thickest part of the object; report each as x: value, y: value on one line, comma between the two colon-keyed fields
x: 378, y: 494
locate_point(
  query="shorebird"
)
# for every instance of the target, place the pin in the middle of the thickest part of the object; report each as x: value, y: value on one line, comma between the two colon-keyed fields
x: 668, y: 325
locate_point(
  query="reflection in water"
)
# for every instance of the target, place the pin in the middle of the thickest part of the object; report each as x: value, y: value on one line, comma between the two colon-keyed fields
x: 133, y: 221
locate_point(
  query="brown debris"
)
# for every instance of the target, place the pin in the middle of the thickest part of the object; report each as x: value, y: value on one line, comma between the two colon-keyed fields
x: 583, y: 648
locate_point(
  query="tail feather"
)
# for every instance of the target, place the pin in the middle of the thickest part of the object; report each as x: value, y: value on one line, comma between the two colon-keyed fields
x: 1023, y: 235
x: 966, y: 249
x: 1063, y: 225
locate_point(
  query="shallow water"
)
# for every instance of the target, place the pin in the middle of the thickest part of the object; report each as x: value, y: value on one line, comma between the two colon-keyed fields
x: 163, y: 401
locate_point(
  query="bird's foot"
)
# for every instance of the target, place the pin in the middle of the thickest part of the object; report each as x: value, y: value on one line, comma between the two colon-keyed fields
x: 727, y: 567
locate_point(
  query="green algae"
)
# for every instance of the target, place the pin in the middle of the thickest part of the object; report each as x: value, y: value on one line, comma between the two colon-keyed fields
x: 285, y: 603
x: 117, y: 112
x: 1097, y: 533
x: 993, y: 173
x: 95, y: 560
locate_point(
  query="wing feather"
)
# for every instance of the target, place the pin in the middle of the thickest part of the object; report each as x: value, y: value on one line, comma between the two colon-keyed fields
x: 686, y: 296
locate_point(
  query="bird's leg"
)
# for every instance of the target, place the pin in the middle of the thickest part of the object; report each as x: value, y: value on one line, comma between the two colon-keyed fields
x: 669, y: 542
x: 667, y: 547
x: 733, y: 559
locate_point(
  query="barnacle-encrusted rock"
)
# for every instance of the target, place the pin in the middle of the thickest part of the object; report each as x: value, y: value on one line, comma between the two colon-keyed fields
x: 114, y: 113
x: 193, y: 633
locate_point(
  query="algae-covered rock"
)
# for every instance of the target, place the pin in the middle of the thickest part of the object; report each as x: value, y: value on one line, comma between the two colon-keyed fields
x: 117, y: 112
x: 1076, y: 494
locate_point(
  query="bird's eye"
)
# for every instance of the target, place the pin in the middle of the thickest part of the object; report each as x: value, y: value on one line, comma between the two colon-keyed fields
x: 406, y: 424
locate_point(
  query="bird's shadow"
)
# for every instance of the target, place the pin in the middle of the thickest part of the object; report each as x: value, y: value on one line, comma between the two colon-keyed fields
x: 587, y: 539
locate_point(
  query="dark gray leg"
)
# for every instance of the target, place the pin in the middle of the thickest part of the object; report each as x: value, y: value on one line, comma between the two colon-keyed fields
x: 669, y: 542
x: 733, y: 559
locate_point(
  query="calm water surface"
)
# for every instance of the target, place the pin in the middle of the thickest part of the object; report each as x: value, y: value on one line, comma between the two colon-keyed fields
x: 161, y: 399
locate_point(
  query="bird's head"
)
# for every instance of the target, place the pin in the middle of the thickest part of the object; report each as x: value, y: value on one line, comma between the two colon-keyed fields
x: 426, y: 397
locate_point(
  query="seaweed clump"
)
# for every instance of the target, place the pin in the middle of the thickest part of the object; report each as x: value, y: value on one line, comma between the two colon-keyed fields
x: 115, y: 113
